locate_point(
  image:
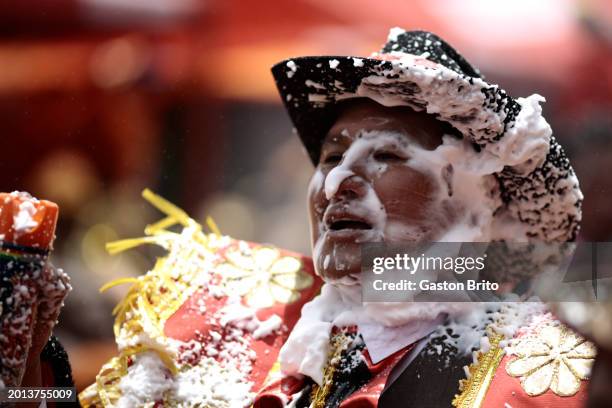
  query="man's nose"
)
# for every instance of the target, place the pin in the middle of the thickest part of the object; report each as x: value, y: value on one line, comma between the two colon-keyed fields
x: 347, y: 180
x: 352, y: 188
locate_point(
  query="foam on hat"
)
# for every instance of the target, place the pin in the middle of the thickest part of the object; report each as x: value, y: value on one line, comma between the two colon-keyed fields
x: 27, y: 221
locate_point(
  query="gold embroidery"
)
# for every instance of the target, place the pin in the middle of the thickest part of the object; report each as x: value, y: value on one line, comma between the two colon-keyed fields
x: 474, y: 388
x: 339, y: 343
x: 263, y: 277
x: 554, y: 358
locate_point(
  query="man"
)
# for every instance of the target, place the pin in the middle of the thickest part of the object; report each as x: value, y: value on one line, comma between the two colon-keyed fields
x: 411, y: 145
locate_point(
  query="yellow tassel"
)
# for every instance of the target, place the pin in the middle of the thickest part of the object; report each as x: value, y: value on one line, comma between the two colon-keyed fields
x: 166, y: 207
x: 117, y: 282
x: 160, y: 225
x: 125, y: 244
x: 213, y: 226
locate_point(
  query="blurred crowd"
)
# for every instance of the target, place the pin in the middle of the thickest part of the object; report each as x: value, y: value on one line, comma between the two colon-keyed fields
x: 102, y: 98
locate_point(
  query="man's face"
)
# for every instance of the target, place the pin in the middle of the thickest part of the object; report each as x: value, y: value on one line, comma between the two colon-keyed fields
x: 368, y: 188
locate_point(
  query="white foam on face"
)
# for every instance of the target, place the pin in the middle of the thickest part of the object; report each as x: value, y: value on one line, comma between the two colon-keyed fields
x: 359, y: 154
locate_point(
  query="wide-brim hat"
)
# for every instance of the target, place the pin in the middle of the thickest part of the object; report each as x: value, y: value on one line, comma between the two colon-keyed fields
x: 420, y: 70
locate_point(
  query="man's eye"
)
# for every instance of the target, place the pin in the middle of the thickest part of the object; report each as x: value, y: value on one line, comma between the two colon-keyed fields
x: 388, y: 156
x: 332, y: 158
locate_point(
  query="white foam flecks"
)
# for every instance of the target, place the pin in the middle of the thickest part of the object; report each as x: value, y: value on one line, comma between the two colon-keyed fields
x: 268, y: 327
x: 242, y: 317
x: 208, y: 383
x: 221, y: 387
x: 146, y: 381
x: 235, y: 312
x: 292, y: 69
x: 394, y: 33
x: 216, y: 375
x: 516, y: 316
x: 313, y: 84
x: 333, y: 64
x: 24, y: 219
x: 357, y: 62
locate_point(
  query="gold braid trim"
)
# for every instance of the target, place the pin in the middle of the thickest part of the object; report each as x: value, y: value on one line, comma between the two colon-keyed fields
x: 474, y: 388
x: 339, y: 343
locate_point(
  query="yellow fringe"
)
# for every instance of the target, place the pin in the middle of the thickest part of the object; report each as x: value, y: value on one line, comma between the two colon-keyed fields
x: 213, y: 226
x: 167, y: 207
x: 145, y: 307
x: 117, y: 282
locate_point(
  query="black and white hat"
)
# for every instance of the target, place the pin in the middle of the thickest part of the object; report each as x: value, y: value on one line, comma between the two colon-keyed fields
x: 420, y: 70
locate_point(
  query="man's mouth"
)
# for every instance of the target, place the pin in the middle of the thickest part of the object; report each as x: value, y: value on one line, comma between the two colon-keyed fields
x: 349, y: 224
x: 339, y: 219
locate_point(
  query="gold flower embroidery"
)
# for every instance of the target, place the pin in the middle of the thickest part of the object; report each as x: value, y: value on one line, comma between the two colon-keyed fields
x: 263, y: 276
x: 557, y: 359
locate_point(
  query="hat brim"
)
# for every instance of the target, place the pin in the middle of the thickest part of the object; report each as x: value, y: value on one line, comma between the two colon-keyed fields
x: 312, y: 87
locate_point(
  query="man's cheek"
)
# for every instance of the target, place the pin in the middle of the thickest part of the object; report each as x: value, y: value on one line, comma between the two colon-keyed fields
x: 406, y: 206
x: 405, y: 193
x: 317, y: 203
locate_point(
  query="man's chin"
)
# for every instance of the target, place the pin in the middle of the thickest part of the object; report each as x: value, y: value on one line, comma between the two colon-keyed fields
x: 346, y: 280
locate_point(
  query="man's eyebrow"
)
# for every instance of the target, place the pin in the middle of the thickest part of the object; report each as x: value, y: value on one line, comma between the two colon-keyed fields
x: 336, y: 136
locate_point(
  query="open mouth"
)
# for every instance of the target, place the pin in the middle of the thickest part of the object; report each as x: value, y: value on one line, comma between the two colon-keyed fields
x: 349, y: 225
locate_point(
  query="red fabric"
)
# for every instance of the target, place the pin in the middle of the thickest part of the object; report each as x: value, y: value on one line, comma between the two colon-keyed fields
x: 278, y: 392
x: 187, y: 323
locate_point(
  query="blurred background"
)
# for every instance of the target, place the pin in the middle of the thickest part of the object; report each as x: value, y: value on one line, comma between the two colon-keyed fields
x: 102, y: 98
